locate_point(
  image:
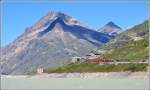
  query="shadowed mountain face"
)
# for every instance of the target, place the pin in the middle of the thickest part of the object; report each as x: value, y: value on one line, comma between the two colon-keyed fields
x: 51, y: 42
x: 78, y: 31
x: 111, y: 29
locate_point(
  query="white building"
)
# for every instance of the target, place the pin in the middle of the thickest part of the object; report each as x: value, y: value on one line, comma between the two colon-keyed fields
x: 39, y: 70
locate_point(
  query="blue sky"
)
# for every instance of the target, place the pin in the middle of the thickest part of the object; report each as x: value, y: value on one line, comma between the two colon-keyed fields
x: 17, y: 16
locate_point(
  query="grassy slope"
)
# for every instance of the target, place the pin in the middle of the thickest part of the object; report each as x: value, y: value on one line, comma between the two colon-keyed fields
x: 131, y: 51
x: 95, y: 67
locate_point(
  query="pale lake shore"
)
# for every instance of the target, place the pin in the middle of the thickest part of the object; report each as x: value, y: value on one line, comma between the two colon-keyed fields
x: 112, y: 80
x: 84, y: 75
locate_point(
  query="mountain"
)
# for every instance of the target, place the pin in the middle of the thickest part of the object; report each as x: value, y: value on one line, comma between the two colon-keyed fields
x: 131, y: 45
x: 111, y: 29
x: 51, y: 42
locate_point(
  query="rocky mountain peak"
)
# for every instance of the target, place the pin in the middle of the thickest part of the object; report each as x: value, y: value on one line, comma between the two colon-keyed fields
x: 112, y: 24
x: 66, y: 18
x: 52, y: 17
x: 57, y: 14
x: 111, y: 29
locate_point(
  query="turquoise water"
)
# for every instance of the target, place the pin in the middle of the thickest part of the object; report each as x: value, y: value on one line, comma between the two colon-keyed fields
x: 74, y: 83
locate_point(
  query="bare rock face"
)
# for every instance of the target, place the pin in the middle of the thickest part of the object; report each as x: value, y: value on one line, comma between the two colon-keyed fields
x: 51, y: 42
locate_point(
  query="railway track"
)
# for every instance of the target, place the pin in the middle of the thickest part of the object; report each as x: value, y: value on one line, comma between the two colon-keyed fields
x: 128, y: 62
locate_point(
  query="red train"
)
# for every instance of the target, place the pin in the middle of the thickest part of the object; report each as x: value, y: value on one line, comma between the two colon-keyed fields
x: 100, y: 60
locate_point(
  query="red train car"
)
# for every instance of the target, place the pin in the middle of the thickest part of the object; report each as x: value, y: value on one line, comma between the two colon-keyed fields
x: 100, y: 60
